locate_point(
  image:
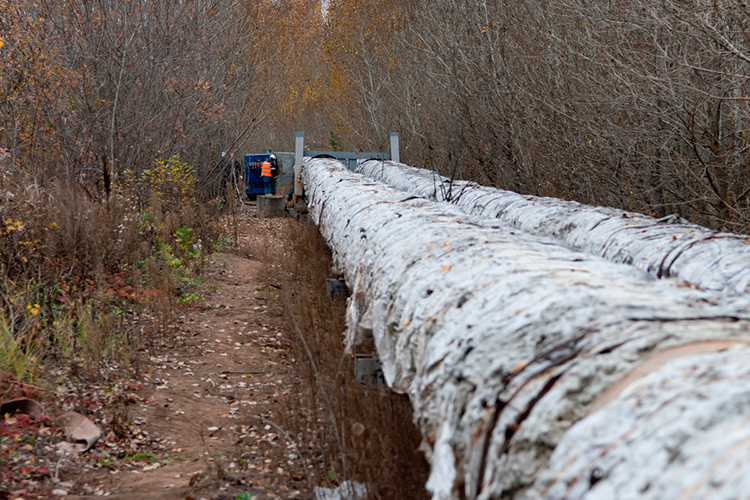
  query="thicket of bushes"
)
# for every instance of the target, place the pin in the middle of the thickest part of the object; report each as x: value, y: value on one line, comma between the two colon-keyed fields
x: 112, y: 120
x: 637, y: 105
x: 74, y: 269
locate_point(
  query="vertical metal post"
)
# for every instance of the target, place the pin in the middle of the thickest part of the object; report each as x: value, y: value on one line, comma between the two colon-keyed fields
x: 394, y: 147
x: 299, y: 151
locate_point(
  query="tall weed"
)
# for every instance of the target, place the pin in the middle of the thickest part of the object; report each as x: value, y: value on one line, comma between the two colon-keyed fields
x: 77, y: 269
x: 19, y: 356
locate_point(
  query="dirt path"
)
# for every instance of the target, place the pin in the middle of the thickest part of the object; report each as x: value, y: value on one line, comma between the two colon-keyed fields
x: 200, y: 403
x: 205, y: 419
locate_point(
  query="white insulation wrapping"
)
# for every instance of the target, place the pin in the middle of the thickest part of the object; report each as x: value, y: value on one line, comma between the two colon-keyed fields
x: 661, y: 247
x: 536, y: 371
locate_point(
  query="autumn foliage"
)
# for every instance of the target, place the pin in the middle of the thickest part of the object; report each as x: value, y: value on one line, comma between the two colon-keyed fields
x: 109, y: 114
x: 627, y: 104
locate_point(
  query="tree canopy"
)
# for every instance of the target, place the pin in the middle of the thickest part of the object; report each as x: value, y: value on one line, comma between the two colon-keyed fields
x: 626, y: 104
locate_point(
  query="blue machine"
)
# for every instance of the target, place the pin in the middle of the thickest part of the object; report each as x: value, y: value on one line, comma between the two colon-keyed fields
x: 253, y: 182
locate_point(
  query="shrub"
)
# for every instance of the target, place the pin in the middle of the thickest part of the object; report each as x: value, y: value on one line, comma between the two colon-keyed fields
x: 173, y: 181
x: 75, y: 268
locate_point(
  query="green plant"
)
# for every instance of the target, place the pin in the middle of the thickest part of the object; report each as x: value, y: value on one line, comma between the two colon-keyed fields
x: 187, y: 255
x: 144, y: 222
x: 187, y: 298
x: 141, y: 456
x: 172, y: 180
x: 184, y: 237
x: 20, y: 347
x: 222, y: 244
x: 165, y: 254
x: 245, y: 496
x: 106, y: 461
x: 17, y: 358
x: 335, y: 146
x: 183, y: 260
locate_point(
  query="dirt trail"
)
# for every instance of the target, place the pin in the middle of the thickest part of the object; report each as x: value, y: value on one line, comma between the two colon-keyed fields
x: 213, y: 388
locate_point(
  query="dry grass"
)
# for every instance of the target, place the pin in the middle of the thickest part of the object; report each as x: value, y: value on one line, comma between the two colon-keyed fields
x: 353, y: 431
x: 76, y: 268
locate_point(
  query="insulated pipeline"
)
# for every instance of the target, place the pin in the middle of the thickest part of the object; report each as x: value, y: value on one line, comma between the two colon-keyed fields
x: 536, y: 371
x: 669, y: 247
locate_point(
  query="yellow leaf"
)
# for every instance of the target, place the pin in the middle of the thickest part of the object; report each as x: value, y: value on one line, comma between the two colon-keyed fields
x: 446, y: 268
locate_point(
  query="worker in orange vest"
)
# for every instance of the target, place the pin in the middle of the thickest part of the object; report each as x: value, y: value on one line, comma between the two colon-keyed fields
x: 266, y: 174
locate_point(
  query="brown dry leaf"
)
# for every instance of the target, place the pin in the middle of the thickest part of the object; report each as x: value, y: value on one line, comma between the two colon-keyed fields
x: 446, y: 268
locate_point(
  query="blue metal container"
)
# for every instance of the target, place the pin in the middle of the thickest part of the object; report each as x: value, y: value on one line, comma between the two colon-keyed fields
x: 253, y: 182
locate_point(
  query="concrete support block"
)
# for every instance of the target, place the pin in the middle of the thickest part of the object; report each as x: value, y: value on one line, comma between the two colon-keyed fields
x: 271, y: 207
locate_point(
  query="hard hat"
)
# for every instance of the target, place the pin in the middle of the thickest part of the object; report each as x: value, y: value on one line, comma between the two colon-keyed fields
x: 273, y: 157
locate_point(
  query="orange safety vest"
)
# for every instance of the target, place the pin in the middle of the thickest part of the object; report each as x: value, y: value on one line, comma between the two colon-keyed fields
x: 265, y: 169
